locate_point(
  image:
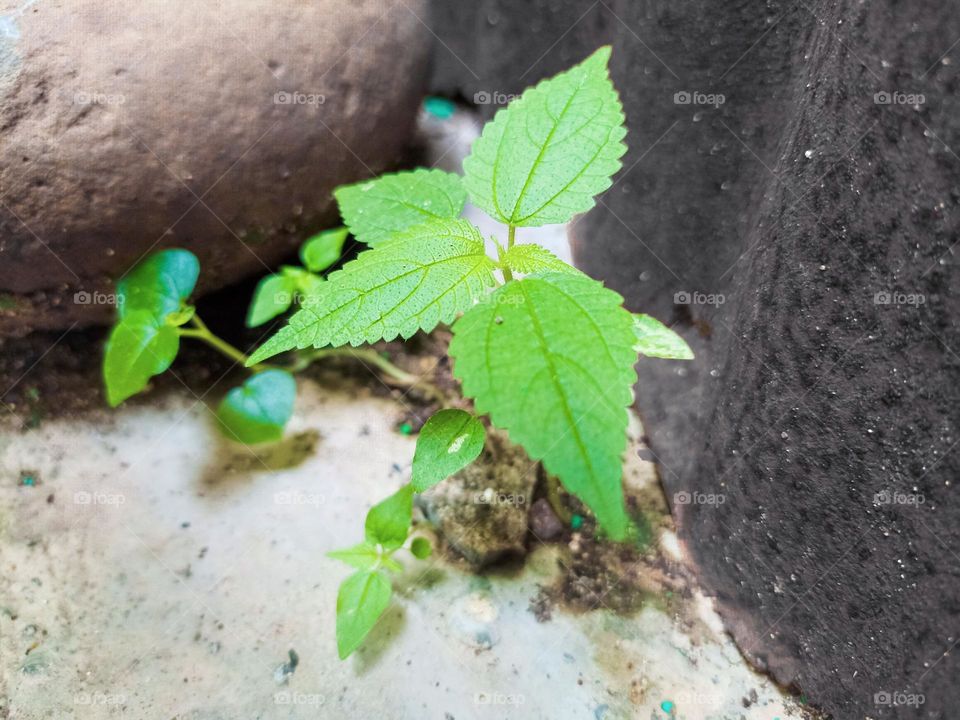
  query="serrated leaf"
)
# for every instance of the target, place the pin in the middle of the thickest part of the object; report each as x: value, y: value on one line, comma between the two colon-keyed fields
x: 529, y: 259
x: 360, y: 602
x: 273, y: 296
x: 375, y: 210
x: 421, y: 548
x: 159, y: 284
x: 654, y: 339
x: 323, y: 249
x: 388, y: 522
x: 422, y: 278
x: 362, y: 557
x: 140, y: 346
x: 258, y: 410
x: 545, y: 156
x: 551, y: 358
x: 449, y: 441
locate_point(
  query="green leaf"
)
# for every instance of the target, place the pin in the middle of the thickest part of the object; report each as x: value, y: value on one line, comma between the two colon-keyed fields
x: 654, y: 339
x: 551, y: 358
x: 421, y: 548
x: 422, y: 278
x: 377, y: 209
x: 159, y: 284
x: 361, y: 601
x: 257, y: 411
x: 363, y: 556
x: 273, y: 296
x: 545, y: 156
x: 449, y: 441
x: 388, y: 522
x: 323, y: 249
x: 140, y: 346
x: 529, y: 259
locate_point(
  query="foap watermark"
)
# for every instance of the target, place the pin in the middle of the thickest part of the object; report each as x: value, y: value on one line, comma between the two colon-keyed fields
x: 895, y: 497
x: 289, y: 298
x: 295, y: 497
x: 695, y: 97
x: 493, y: 97
x: 898, y: 698
x: 98, y: 98
x: 692, y: 698
x: 492, y: 497
x: 98, y: 498
x: 99, y: 698
x: 289, y: 697
x: 295, y: 97
x: 698, y: 498
x: 896, y: 97
x: 83, y: 297
x: 698, y: 298
x: 889, y: 297
x: 501, y: 299
x: 497, y: 698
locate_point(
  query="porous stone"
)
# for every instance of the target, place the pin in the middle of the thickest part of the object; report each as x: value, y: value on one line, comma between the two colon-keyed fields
x: 481, y: 512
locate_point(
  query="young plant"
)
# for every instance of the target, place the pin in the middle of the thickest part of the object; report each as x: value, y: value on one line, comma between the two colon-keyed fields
x: 544, y: 351
x: 276, y: 293
x: 153, y: 314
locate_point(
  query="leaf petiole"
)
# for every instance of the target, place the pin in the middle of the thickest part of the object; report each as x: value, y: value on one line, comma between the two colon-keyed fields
x: 202, y: 333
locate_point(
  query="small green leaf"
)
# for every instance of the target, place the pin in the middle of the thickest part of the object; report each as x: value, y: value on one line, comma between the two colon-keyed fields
x: 273, y: 296
x: 546, y: 156
x: 361, y: 601
x: 140, y: 346
x: 362, y: 557
x: 257, y: 411
x: 306, y: 283
x: 529, y: 259
x: 449, y: 441
x: 323, y: 249
x: 551, y: 358
x: 654, y: 339
x: 159, y: 284
x: 421, y: 548
x: 388, y: 522
x: 376, y: 209
x: 423, y: 277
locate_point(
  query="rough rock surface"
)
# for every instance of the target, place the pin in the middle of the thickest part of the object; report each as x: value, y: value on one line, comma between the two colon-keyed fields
x: 481, y: 512
x: 820, y: 201
x: 219, y: 127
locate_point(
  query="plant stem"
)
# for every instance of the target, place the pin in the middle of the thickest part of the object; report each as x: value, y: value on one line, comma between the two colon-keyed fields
x: 372, y: 357
x: 203, y: 334
x: 553, y: 497
x: 511, y: 237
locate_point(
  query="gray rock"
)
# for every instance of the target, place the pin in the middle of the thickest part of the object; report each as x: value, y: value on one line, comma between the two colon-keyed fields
x: 481, y: 512
x: 544, y: 523
x: 221, y: 128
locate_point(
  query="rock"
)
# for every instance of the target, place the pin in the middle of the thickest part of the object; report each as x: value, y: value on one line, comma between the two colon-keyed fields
x: 221, y: 128
x: 481, y: 512
x: 544, y: 523
x: 802, y: 236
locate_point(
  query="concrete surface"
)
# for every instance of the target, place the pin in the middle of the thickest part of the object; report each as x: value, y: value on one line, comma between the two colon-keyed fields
x: 150, y: 570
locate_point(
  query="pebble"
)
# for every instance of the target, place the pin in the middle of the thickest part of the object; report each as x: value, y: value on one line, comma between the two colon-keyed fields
x: 544, y: 521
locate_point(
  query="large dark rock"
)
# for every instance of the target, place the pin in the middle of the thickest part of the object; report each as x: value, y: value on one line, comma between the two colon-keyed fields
x: 821, y: 412
x: 219, y: 127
